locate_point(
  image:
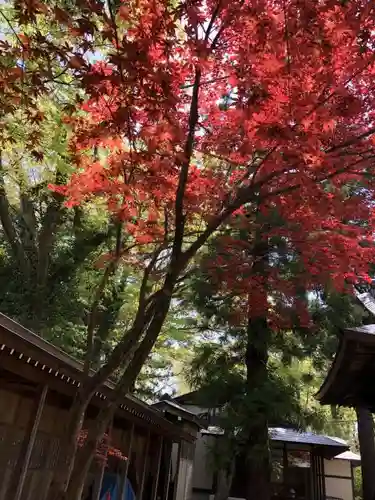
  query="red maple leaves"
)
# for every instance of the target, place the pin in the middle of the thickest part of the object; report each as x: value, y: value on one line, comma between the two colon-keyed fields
x: 203, y: 108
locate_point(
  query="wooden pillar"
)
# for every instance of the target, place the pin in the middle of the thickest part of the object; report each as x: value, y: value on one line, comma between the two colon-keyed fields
x: 367, y: 448
x: 314, y: 475
x: 125, y: 474
x: 155, y: 482
x: 143, y: 481
x: 5, y: 471
x: 322, y: 478
x: 48, y: 472
x: 167, y: 477
x: 285, y: 463
x: 184, y: 474
x: 18, y: 478
x: 177, y: 474
x: 188, y: 470
x: 352, y: 476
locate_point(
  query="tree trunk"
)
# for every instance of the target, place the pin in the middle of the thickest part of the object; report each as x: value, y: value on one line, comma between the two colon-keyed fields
x: 224, y: 482
x: 86, y: 455
x: 66, y: 467
x: 367, y: 448
x: 76, y: 468
x: 69, y: 439
x: 9, y: 229
x: 258, y: 336
x: 68, y: 449
x: 257, y: 448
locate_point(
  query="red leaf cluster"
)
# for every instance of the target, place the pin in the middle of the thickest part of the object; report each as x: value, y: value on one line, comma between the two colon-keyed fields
x: 104, y: 449
x: 233, y: 107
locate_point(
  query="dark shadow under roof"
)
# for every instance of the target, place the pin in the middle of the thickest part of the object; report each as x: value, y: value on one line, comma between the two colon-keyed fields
x: 174, y: 408
x: 350, y: 380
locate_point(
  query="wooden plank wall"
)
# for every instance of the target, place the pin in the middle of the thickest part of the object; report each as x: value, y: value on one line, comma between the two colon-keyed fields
x: 15, y: 411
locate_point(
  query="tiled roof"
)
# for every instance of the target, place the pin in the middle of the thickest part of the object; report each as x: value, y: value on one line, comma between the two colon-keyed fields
x: 349, y: 455
x: 369, y: 329
x: 293, y: 436
x: 188, y: 415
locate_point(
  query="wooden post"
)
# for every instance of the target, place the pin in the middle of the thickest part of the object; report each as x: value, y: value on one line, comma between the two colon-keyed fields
x: 6, y: 446
x: 140, y: 497
x: 155, y: 482
x: 167, y: 473
x: 367, y: 448
x: 5, y: 471
x: 177, y: 474
x: 18, y: 478
x: 125, y: 475
x: 48, y: 473
x: 98, y: 481
x: 352, y: 476
x: 188, y: 470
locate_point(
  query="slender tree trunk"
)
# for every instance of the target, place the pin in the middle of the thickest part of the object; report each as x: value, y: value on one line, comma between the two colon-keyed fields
x: 69, y: 442
x: 367, y: 447
x: 69, y: 439
x: 68, y: 449
x: 258, y: 336
x: 224, y: 482
x: 79, y: 464
x: 9, y: 230
x: 257, y: 449
x: 85, y: 458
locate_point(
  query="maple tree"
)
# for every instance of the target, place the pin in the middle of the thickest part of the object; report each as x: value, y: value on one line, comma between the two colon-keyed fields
x: 198, y: 115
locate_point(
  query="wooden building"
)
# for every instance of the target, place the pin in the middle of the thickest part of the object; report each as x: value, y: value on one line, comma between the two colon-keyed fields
x: 37, y: 386
x: 350, y: 380
x: 305, y: 465
x: 350, y: 383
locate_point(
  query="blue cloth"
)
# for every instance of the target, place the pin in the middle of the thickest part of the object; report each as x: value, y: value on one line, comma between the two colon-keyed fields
x: 111, y: 485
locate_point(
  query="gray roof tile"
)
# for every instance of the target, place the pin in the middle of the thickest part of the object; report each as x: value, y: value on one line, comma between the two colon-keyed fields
x: 293, y: 436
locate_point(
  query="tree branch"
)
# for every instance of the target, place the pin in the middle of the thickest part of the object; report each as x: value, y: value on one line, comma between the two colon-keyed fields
x: 110, y: 269
x: 12, y: 29
x: 180, y: 193
x: 9, y: 229
x: 332, y: 175
x: 352, y: 141
x: 52, y: 219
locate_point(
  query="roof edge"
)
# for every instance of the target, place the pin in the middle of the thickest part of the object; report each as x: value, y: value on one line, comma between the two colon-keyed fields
x: 11, y: 330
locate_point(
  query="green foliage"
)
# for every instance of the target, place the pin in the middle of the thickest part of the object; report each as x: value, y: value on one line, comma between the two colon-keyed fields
x: 299, y: 358
x: 358, y: 484
x: 49, y: 253
x: 172, y: 349
x: 331, y: 313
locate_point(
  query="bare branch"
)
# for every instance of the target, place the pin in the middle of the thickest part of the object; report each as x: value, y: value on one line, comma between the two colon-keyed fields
x: 9, y: 229
x: 212, y: 20
x: 109, y: 271
x: 352, y: 141
x: 150, y: 267
x: 180, y: 193
x: 12, y: 29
